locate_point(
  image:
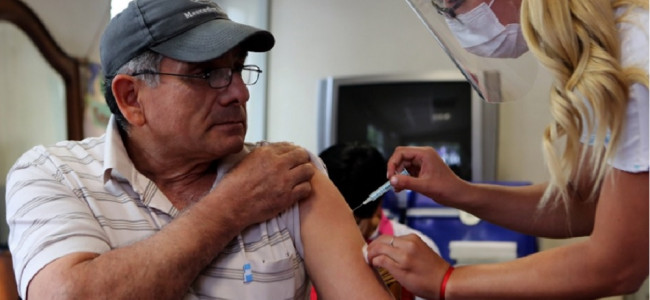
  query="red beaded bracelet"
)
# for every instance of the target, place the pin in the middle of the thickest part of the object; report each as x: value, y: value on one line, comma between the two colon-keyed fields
x: 443, y: 285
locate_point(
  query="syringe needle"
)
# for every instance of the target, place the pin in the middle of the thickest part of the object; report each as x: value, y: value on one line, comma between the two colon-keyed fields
x: 360, y: 205
x: 379, y: 192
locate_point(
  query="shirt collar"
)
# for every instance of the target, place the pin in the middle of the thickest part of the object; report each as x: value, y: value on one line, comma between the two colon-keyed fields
x: 116, y: 159
x: 119, y: 171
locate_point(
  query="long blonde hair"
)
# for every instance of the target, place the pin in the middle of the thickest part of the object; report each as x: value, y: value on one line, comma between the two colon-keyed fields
x: 578, y: 42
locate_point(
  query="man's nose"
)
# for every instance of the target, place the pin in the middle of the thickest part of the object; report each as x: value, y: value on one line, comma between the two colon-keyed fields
x: 237, y: 90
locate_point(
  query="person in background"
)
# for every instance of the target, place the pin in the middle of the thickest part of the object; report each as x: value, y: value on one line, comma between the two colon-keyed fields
x: 596, y: 149
x: 357, y: 170
x: 171, y: 203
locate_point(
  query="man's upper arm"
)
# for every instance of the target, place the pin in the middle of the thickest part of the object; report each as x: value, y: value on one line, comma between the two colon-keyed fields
x: 332, y: 246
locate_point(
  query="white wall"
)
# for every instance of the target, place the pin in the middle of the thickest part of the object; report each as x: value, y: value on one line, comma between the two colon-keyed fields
x: 316, y: 39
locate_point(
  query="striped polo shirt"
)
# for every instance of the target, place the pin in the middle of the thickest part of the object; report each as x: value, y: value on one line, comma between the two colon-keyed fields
x: 86, y: 196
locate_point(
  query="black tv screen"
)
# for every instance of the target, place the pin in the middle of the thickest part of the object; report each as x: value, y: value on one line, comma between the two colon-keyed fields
x: 436, y: 114
x: 440, y: 110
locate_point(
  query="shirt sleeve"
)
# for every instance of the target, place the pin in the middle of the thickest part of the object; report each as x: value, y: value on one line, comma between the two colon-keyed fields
x: 47, y: 217
x: 632, y: 154
x: 291, y: 217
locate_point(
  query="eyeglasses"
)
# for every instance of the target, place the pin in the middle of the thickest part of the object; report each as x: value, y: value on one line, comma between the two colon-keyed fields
x: 449, y: 12
x: 217, y: 78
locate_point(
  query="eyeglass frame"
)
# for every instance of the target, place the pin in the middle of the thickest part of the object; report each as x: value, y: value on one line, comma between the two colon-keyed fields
x: 206, y: 75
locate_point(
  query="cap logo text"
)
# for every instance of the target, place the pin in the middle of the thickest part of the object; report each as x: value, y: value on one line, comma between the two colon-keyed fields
x: 208, y: 2
x: 202, y: 11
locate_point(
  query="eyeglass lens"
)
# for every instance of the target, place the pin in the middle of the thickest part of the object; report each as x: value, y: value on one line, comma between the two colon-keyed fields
x: 223, y: 77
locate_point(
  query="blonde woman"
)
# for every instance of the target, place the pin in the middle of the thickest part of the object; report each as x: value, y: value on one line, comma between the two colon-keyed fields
x: 598, y: 188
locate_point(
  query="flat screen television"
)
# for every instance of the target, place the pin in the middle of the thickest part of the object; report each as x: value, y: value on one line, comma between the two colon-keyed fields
x: 440, y: 110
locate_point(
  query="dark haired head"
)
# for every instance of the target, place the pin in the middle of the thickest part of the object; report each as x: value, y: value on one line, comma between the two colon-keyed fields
x: 356, y: 170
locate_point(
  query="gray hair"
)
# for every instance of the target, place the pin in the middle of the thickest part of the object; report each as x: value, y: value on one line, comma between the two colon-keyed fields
x: 147, y: 61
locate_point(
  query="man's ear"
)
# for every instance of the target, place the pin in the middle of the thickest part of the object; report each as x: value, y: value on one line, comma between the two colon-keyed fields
x: 125, y: 89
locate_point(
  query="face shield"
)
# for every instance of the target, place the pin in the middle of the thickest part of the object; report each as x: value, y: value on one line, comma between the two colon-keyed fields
x: 484, y: 40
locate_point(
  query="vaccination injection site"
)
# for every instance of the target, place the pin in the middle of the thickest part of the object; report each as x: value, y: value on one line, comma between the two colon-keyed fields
x: 303, y: 149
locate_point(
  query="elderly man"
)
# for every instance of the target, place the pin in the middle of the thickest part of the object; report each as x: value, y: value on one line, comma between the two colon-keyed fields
x: 171, y: 203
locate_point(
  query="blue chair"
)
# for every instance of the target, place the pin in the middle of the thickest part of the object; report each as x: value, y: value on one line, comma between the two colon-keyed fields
x: 445, y: 224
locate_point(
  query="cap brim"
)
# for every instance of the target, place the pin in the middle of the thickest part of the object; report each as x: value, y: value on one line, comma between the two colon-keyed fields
x: 214, y: 38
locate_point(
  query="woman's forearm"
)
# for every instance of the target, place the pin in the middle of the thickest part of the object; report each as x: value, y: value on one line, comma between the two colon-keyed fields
x: 517, y: 208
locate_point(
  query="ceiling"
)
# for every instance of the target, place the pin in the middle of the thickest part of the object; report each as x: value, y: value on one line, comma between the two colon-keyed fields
x: 75, y: 25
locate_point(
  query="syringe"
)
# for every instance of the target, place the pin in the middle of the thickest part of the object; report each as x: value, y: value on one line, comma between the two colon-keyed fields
x: 379, y: 191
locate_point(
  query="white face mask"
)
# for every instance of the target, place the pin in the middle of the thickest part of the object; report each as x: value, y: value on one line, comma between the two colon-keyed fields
x: 480, y: 32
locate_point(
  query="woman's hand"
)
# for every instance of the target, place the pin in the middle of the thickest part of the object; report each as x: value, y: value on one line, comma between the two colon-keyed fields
x: 429, y: 174
x: 415, y: 266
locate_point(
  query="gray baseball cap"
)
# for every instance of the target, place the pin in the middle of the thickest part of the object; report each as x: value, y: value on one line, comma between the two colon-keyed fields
x: 185, y: 30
